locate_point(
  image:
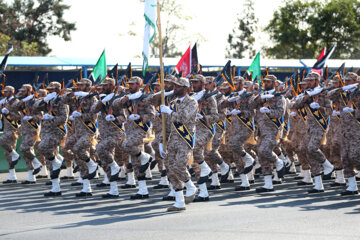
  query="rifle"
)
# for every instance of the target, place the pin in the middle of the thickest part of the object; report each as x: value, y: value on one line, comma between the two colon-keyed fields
x: 206, y: 96
x: 148, y: 87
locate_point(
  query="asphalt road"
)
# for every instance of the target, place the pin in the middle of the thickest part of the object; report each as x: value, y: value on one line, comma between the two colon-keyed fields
x: 288, y: 213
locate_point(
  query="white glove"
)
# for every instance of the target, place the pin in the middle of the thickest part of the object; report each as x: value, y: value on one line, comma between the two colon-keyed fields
x: 335, y: 113
x: 135, y: 95
x: 110, y: 118
x: 76, y: 114
x: 348, y: 87
x: 348, y: 110
x: 108, y: 98
x: 50, y: 96
x: 27, y: 118
x: 71, y: 118
x: 81, y: 94
x: 264, y: 110
x: 314, y: 92
x: 161, y: 150
x: 199, y: 116
x: 28, y: 98
x: 165, y: 109
x: 232, y: 99
x: 235, y: 112
x: 157, y: 113
x: 267, y: 96
x: 5, y: 111
x: 134, y: 117
x: 165, y: 94
x: 293, y: 114
x: 315, y: 105
x: 48, y: 116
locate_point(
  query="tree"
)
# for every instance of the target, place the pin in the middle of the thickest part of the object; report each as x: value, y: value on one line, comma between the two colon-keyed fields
x: 289, y: 30
x: 300, y: 29
x: 29, y: 21
x: 241, y: 40
x: 20, y: 48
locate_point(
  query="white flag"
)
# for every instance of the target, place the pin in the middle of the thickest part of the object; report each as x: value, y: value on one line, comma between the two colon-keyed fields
x: 150, y: 30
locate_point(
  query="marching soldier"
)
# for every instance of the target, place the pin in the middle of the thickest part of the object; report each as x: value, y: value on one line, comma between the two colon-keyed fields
x: 53, y: 132
x: 140, y: 115
x: 181, y: 143
x: 112, y: 134
x: 243, y: 128
x: 10, y: 131
x: 85, y: 131
x: 318, y: 110
x: 268, y: 115
x: 350, y: 128
x: 205, y: 131
x: 30, y: 132
x: 213, y: 157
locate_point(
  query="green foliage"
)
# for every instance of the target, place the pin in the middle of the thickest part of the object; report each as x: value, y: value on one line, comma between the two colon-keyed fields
x: 21, y: 48
x: 31, y: 22
x: 241, y: 40
x: 300, y: 29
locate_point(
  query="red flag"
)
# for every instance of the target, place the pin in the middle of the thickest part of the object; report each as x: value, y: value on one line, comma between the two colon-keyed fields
x: 184, y: 63
x: 322, y: 54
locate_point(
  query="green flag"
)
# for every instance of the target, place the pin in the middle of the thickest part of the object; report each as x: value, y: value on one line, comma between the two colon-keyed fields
x: 99, y: 72
x: 255, y: 68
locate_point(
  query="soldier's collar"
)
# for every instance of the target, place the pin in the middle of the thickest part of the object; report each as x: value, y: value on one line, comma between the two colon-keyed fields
x: 180, y: 99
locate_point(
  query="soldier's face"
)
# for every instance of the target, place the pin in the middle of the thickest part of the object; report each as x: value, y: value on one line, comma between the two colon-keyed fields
x: 179, y: 91
x: 239, y: 86
x: 311, y: 83
x: 107, y: 88
x: 168, y: 86
x: 84, y: 87
x: 210, y: 86
x: 303, y: 87
x: 197, y: 86
x: 268, y: 85
x: 134, y: 87
x: 158, y: 88
x: 6, y: 94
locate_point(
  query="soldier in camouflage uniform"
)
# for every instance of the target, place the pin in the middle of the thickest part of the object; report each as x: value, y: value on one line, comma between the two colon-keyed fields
x: 137, y: 125
x: 30, y: 131
x: 205, y: 130
x: 53, y: 131
x: 268, y: 116
x: 242, y: 127
x: 212, y: 157
x: 85, y: 133
x: 315, y: 105
x: 350, y: 128
x: 10, y: 131
x: 180, y: 143
x: 112, y: 134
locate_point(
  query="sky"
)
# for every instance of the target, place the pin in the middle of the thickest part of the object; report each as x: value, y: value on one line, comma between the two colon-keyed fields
x: 105, y: 25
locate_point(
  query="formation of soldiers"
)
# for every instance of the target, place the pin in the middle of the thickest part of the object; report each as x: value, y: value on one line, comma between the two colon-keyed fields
x: 210, y: 130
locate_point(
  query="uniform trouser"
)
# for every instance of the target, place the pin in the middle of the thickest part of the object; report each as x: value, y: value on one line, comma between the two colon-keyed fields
x: 27, y: 149
x: 178, y: 156
x: 122, y: 158
x: 133, y: 145
x: 314, y: 155
x: 67, y: 150
x: 350, y: 153
x: 267, y: 157
x: 8, y: 143
x: 155, y: 145
x: 213, y: 157
x: 225, y: 150
x: 300, y: 145
x: 105, y: 149
x: 81, y: 149
x: 237, y: 146
x: 39, y: 154
x: 335, y: 152
x: 203, y: 137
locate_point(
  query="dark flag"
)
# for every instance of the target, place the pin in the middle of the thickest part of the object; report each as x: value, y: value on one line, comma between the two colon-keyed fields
x: 113, y: 73
x: 226, y: 75
x: 4, y: 61
x: 320, y: 63
x: 194, y: 59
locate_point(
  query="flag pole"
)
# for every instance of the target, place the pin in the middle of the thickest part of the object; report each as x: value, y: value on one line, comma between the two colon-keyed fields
x: 161, y: 76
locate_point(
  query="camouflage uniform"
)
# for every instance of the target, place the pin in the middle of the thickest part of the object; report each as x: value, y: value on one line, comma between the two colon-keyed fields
x: 267, y: 131
x: 10, y: 130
